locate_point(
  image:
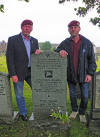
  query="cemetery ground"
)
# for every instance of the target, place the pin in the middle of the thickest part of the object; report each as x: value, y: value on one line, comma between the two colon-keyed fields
x: 23, y: 129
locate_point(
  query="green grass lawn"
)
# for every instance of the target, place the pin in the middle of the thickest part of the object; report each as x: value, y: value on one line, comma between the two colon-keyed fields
x: 22, y: 129
x: 98, y: 64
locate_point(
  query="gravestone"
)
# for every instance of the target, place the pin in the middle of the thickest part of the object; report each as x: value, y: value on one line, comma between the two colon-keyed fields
x: 7, y: 115
x: 94, y: 124
x: 49, y: 80
x: 49, y: 88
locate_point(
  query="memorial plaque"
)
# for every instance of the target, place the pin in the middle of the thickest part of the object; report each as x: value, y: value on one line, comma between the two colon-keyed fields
x: 6, y: 109
x: 49, y: 80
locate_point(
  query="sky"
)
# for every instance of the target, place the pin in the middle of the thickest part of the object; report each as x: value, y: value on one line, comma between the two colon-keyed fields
x: 50, y: 20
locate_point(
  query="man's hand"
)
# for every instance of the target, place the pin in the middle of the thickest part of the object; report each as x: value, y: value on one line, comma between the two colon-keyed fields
x: 88, y: 78
x: 15, y: 79
x: 63, y: 53
x: 38, y: 51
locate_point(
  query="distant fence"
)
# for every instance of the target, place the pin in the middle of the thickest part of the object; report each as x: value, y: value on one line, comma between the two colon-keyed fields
x: 3, y: 47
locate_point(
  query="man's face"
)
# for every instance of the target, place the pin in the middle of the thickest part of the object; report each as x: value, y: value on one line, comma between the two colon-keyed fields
x: 74, y: 30
x: 26, y: 29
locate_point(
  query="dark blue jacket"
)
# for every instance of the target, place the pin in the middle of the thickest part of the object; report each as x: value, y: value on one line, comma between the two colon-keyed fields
x: 86, y: 60
x: 17, y: 58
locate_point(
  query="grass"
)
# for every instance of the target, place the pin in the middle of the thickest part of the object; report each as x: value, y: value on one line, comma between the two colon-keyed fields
x: 98, y: 64
x: 22, y: 129
x: 3, y: 66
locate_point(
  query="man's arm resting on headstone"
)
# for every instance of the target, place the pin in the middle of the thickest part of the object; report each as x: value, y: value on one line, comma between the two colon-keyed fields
x: 38, y: 51
x: 63, y: 53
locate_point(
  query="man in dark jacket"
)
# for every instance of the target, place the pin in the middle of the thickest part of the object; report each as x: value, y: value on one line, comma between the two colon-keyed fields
x: 18, y: 54
x: 80, y: 69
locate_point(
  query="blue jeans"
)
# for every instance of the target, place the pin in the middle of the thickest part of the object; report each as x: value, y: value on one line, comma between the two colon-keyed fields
x: 84, y: 87
x: 20, y: 99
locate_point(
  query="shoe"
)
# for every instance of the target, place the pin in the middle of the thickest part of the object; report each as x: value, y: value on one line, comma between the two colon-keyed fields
x: 83, y: 119
x: 24, y: 118
x: 73, y: 115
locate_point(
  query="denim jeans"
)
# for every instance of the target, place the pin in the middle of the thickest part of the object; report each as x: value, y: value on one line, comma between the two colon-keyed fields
x: 84, y: 87
x: 20, y: 99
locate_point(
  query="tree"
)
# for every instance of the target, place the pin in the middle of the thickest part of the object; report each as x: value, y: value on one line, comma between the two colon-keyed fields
x: 2, y: 6
x: 89, y: 4
x: 45, y: 46
x: 81, y: 11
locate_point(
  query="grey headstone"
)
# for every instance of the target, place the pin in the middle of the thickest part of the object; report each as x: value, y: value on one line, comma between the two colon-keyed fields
x: 7, y: 114
x: 97, y: 97
x: 49, y: 80
x: 94, y: 124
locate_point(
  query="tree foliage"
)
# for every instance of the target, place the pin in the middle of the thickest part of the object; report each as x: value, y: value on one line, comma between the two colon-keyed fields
x: 2, y: 6
x: 45, y: 46
x: 89, y: 5
x: 81, y: 11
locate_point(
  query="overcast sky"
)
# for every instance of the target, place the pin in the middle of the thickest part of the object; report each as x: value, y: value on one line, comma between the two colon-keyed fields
x: 49, y: 17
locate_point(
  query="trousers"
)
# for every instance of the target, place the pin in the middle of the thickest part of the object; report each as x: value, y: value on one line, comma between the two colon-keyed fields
x: 84, y: 88
x: 20, y: 99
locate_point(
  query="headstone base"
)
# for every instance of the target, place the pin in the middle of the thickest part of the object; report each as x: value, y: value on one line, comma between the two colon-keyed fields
x: 96, y: 114
x: 94, y: 127
x: 49, y: 127
x: 9, y: 119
